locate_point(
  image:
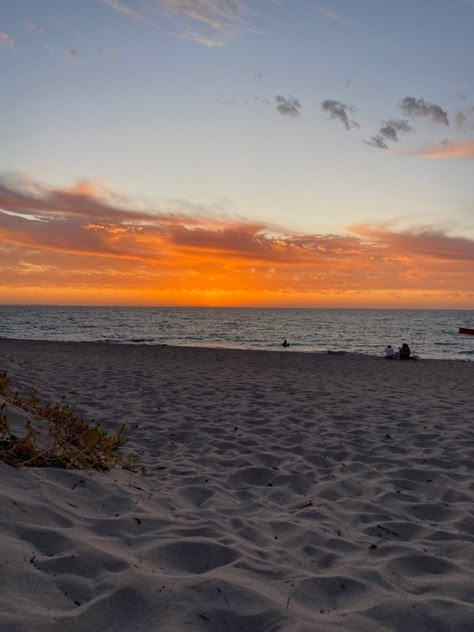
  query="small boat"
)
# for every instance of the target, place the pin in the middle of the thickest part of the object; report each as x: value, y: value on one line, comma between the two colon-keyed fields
x: 466, y: 330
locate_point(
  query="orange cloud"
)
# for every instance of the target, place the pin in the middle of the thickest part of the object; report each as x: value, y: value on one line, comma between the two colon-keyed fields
x: 463, y: 149
x: 87, y: 245
x: 426, y: 242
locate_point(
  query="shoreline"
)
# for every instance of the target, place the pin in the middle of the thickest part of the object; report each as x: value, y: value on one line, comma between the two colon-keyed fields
x: 290, y: 350
x: 280, y: 491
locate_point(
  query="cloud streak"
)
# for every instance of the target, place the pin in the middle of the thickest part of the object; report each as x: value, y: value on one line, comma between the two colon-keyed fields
x: 335, y: 17
x: 218, y: 14
x: 84, y: 238
x: 124, y: 9
x: 200, y: 20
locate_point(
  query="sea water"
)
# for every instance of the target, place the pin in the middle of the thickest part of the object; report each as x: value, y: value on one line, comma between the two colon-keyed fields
x: 430, y: 333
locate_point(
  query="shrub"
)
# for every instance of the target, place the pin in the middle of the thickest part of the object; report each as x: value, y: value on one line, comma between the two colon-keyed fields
x: 72, y: 442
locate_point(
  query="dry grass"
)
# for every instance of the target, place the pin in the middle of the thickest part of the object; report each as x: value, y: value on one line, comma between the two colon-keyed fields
x: 71, y: 442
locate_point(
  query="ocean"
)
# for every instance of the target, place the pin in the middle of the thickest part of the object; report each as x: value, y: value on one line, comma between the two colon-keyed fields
x: 430, y: 333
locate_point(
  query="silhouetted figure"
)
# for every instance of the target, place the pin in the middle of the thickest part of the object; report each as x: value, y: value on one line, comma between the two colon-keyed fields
x: 405, y: 352
x: 285, y: 343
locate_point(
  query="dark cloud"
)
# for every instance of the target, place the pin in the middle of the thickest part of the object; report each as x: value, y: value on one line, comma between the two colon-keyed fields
x: 288, y: 106
x: 465, y: 119
x: 390, y: 129
x: 410, y: 106
x: 377, y: 141
x: 339, y: 111
x: 389, y: 132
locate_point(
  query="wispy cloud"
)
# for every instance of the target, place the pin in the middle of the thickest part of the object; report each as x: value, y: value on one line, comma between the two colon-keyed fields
x: 288, y: 106
x: 449, y: 149
x: 389, y: 131
x: 123, y: 8
x: 209, y: 40
x: 336, y: 17
x: 32, y: 27
x: 219, y: 14
x: 410, y: 106
x: 339, y: 111
x: 200, y: 20
x: 85, y: 238
x: 6, y: 40
x: 465, y: 119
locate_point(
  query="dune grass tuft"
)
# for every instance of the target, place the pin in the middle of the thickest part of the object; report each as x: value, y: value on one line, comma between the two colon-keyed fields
x: 71, y: 442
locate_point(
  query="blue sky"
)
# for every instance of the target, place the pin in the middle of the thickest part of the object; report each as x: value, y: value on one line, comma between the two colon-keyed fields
x: 308, y: 116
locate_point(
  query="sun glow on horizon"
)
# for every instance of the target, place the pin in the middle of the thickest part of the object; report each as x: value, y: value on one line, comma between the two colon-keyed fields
x: 84, y: 245
x: 186, y: 152
x: 106, y: 297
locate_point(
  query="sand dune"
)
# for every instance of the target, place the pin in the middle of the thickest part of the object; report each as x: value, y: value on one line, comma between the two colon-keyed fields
x: 281, y: 492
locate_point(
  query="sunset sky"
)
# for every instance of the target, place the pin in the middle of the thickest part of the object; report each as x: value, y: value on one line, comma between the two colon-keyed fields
x: 237, y: 152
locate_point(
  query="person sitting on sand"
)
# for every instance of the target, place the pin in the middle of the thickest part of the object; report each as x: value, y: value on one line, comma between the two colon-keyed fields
x: 285, y: 343
x: 405, y: 352
x: 389, y: 353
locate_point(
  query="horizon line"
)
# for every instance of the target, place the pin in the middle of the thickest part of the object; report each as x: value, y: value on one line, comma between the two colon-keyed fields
x: 248, y: 307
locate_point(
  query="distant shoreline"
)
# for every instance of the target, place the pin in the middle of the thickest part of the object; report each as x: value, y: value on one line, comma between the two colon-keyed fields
x: 224, y: 350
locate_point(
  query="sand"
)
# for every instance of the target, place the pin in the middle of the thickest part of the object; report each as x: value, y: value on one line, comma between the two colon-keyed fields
x: 282, y: 492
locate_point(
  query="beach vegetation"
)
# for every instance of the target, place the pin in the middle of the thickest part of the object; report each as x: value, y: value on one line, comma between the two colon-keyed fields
x: 55, y: 436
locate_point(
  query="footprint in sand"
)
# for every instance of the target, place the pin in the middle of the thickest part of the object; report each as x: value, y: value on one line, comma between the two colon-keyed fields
x: 192, y: 557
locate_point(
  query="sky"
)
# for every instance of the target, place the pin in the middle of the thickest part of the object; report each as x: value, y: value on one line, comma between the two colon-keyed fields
x: 281, y: 153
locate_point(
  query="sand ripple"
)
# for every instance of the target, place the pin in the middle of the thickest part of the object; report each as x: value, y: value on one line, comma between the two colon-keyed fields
x: 283, y: 492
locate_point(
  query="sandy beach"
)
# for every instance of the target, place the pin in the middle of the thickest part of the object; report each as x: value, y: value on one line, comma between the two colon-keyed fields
x: 280, y: 491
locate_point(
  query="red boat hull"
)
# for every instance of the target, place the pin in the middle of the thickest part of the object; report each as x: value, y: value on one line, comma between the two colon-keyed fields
x: 466, y: 330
